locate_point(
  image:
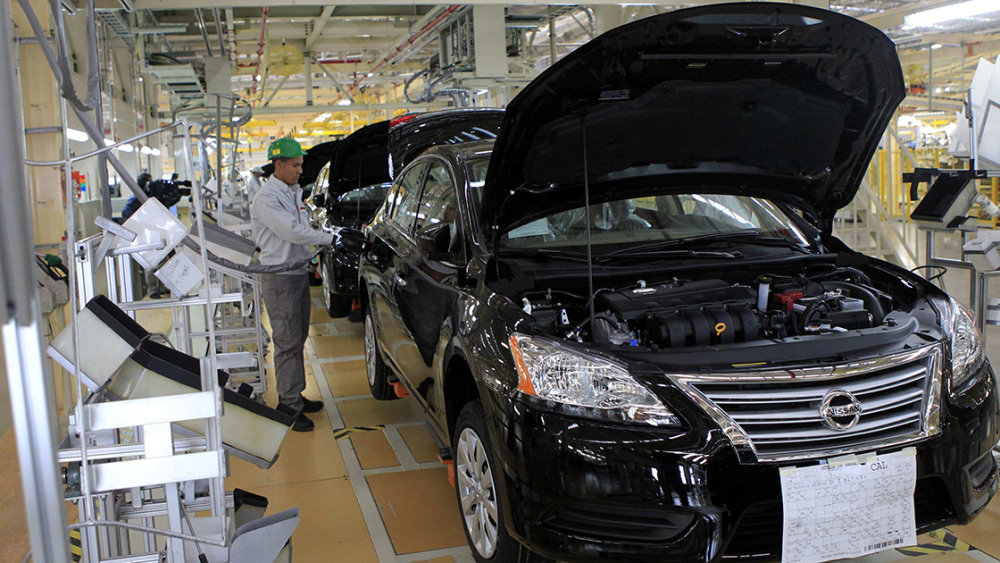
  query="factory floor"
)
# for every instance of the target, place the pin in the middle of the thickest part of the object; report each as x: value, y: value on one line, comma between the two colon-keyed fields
x: 368, y: 483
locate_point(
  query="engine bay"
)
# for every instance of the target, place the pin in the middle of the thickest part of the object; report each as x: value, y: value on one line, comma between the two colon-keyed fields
x: 687, y: 313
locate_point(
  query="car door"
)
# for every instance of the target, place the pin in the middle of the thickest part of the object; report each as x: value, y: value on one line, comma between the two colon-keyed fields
x: 317, y: 202
x: 425, y: 288
x: 392, y: 242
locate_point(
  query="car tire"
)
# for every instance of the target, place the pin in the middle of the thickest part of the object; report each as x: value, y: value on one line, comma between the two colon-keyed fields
x: 476, y: 475
x: 337, y: 306
x: 377, y: 371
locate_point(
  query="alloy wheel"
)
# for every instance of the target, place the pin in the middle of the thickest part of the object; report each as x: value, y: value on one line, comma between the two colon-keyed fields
x: 370, y: 350
x: 477, y: 493
x: 326, y: 288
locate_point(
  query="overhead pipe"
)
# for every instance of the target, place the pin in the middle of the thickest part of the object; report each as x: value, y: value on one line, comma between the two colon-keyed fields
x: 260, y: 48
x: 231, y: 35
x: 413, y: 38
x: 204, y: 32
x: 218, y: 31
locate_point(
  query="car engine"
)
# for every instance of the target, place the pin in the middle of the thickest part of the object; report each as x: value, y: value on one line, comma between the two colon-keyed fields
x: 691, y: 313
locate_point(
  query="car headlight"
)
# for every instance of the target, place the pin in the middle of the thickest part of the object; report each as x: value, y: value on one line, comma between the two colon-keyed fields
x: 589, y: 386
x: 967, y: 355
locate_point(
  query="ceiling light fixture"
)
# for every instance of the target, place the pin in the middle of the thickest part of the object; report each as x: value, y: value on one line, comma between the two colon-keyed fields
x: 964, y: 10
x: 322, y: 117
x: 344, y: 103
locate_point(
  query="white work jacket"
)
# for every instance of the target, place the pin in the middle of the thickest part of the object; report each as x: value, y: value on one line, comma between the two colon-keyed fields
x: 253, y: 186
x: 280, y: 225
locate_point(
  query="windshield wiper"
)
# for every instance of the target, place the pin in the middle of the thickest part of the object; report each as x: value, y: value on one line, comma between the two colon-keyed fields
x: 661, y: 244
x: 750, y: 235
x: 662, y: 254
x: 544, y: 253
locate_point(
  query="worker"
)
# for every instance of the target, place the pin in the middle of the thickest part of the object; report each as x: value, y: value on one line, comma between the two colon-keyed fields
x: 169, y: 193
x: 133, y: 203
x: 281, y: 230
x: 254, y: 183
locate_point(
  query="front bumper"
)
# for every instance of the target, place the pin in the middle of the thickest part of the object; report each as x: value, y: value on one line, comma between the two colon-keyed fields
x: 579, y: 490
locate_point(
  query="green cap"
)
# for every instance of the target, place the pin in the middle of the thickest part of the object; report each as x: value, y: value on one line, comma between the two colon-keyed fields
x: 285, y: 148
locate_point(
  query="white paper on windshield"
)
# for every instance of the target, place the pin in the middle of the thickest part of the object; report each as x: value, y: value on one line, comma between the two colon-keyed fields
x: 848, y: 507
x: 532, y: 229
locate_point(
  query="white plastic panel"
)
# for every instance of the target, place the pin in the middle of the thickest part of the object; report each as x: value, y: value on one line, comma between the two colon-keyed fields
x: 980, y: 83
x: 182, y: 273
x: 153, y: 222
x: 243, y: 430
x: 102, y: 351
x: 960, y: 140
x: 989, y: 116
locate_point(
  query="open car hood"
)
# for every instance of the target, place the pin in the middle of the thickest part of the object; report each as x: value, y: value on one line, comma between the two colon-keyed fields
x: 411, y: 135
x: 360, y: 160
x: 772, y: 100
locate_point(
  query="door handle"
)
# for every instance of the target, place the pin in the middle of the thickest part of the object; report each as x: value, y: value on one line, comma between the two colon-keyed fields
x: 400, y: 280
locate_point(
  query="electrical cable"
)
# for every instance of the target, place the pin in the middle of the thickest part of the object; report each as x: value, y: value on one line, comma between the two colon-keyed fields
x: 941, y: 271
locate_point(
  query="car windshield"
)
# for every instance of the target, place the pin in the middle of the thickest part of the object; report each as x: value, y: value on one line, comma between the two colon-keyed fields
x: 641, y: 220
x: 376, y: 192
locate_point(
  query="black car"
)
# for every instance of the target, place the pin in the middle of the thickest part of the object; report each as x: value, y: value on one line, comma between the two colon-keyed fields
x: 352, y: 186
x: 628, y: 315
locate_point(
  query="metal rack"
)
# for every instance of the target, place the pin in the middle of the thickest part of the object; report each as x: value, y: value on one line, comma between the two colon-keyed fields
x: 105, y: 486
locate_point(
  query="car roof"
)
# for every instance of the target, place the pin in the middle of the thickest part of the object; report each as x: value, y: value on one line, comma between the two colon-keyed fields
x: 462, y: 151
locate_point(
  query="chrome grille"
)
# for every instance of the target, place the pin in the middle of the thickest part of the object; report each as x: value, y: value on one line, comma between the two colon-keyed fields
x: 778, y: 414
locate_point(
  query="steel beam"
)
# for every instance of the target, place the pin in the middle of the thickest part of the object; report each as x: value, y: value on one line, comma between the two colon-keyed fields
x: 204, y: 34
x: 309, y: 78
x: 275, y: 91
x: 353, y: 107
x: 318, y: 26
x: 181, y: 4
x: 894, y: 17
x: 218, y: 31
x: 336, y: 83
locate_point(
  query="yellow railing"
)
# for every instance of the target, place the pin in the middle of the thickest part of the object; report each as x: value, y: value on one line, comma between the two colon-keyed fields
x: 885, y: 175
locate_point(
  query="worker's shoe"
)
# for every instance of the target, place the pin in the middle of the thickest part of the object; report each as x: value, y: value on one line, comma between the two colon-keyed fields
x: 311, y: 406
x: 303, y: 424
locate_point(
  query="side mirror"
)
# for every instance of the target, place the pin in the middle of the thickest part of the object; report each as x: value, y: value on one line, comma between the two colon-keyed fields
x: 319, y: 200
x: 351, y: 240
x: 435, y: 244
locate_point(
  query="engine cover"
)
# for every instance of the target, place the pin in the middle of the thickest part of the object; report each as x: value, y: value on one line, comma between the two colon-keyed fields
x: 698, y: 313
x: 632, y: 304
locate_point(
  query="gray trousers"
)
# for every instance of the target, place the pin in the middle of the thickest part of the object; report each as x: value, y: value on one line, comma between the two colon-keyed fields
x: 289, y: 304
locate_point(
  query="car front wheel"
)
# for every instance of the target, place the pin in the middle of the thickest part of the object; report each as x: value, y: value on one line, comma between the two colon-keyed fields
x: 337, y: 306
x: 378, y: 373
x: 478, y: 495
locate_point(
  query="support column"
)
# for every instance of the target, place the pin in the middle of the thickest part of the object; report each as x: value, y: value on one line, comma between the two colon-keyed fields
x: 309, y: 78
x: 825, y: 4
x: 491, y: 40
x: 607, y: 18
x: 553, y: 52
x: 29, y: 380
